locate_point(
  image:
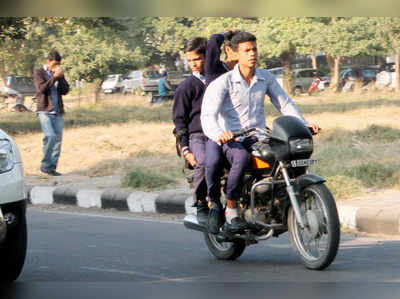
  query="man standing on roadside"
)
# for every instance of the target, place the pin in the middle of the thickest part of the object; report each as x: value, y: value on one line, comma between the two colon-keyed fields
x: 50, y: 85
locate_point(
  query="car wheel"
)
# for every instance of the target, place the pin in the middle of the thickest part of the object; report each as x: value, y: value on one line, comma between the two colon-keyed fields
x: 13, y: 250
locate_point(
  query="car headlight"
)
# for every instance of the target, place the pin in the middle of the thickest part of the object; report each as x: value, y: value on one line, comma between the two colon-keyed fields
x: 6, y: 156
x: 301, y: 145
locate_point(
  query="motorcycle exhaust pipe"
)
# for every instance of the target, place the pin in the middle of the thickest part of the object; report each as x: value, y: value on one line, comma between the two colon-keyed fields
x: 191, y: 222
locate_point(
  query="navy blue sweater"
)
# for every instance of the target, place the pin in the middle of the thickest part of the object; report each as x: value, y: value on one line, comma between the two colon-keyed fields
x: 213, y: 66
x: 186, y: 109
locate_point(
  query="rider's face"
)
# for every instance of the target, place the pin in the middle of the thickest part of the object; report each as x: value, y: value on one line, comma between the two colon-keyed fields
x: 195, y: 61
x: 247, y: 54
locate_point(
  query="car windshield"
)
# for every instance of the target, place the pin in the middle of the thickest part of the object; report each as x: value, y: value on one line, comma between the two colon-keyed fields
x: 152, y: 74
x: 369, y: 73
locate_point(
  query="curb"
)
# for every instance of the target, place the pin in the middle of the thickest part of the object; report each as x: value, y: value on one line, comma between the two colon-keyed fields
x: 374, y: 220
x: 172, y: 202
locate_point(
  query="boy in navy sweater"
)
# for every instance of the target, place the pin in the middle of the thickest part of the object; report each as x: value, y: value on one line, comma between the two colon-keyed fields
x: 186, y: 116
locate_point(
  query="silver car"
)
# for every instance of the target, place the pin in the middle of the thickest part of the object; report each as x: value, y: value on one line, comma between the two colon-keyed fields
x: 13, y: 230
x: 147, y: 80
x: 302, y: 79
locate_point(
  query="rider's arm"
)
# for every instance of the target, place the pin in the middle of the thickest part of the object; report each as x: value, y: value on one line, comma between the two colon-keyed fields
x: 212, y: 103
x: 180, y: 113
x: 213, y: 66
x: 279, y: 98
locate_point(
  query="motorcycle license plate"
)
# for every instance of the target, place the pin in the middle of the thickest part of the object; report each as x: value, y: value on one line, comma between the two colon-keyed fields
x: 303, y: 163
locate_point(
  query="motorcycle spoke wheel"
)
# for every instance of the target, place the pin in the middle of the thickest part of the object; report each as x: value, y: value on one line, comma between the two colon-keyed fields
x: 317, y: 243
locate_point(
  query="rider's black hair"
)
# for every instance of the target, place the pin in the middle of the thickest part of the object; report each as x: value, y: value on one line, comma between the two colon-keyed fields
x: 241, y: 37
x: 196, y: 44
x: 54, y: 55
x: 228, y: 37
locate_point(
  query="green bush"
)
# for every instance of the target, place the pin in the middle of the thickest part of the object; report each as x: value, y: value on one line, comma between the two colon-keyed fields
x: 145, y: 179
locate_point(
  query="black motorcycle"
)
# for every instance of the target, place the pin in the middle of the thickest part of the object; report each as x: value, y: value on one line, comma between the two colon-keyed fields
x: 279, y: 195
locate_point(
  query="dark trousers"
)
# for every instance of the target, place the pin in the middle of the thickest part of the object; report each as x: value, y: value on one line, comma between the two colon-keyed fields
x: 197, y: 145
x: 236, y: 153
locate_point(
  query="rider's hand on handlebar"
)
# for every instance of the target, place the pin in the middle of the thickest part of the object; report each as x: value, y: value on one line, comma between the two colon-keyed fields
x: 191, y: 159
x: 226, y: 137
x: 314, y: 128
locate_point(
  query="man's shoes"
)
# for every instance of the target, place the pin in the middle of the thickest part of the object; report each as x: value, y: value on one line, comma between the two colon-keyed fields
x: 54, y: 173
x: 237, y: 225
x: 49, y: 172
x: 202, y: 213
x: 214, y: 221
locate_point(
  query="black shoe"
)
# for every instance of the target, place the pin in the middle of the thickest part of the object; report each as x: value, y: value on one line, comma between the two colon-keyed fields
x: 202, y: 213
x: 45, y: 170
x: 237, y: 224
x: 54, y: 173
x: 214, y: 221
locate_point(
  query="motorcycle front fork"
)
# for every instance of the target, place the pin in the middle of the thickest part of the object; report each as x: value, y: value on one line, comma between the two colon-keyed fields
x: 294, y: 198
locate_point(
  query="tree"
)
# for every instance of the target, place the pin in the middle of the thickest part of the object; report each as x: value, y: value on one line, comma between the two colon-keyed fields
x: 338, y: 37
x: 388, y: 34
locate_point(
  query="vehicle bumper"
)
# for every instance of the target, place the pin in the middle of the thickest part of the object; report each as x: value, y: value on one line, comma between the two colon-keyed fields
x: 13, y: 185
x: 150, y: 88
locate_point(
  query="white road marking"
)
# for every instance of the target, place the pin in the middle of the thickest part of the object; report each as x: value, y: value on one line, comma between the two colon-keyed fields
x: 145, y: 275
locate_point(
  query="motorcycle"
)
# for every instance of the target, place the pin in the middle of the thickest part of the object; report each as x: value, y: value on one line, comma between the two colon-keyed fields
x: 279, y: 194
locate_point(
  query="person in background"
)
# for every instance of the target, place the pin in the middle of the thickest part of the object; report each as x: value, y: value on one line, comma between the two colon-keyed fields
x: 163, y: 87
x: 50, y: 86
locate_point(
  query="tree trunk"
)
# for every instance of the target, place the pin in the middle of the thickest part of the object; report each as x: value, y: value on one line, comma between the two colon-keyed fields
x: 314, y: 61
x: 397, y: 69
x: 287, y: 72
x: 169, y: 61
x: 334, y: 65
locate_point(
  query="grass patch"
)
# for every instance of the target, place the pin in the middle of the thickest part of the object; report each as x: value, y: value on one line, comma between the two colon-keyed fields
x: 145, y: 179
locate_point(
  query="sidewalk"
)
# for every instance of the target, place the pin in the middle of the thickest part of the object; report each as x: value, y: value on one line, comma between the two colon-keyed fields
x: 377, y: 212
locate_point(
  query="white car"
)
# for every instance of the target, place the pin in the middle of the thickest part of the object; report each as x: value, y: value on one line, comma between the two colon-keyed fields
x: 387, y: 77
x: 112, y: 83
x: 13, y: 230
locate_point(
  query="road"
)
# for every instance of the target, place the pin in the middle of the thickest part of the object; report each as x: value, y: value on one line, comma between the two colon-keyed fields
x: 75, y: 246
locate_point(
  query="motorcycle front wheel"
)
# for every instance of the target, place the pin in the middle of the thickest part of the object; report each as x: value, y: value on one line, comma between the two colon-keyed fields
x: 317, y: 244
x: 224, y: 250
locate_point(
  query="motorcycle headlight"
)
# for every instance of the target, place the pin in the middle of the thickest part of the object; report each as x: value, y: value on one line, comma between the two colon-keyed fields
x: 6, y: 156
x: 301, y: 146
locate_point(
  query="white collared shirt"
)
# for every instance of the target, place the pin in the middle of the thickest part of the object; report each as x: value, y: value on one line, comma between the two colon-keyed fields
x: 200, y: 77
x: 229, y: 103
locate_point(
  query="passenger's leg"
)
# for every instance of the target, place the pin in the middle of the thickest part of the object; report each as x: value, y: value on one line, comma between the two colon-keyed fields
x: 197, y: 145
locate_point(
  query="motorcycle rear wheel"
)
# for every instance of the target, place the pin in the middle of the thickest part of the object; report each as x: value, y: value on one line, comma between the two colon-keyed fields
x: 224, y: 250
x: 318, y: 243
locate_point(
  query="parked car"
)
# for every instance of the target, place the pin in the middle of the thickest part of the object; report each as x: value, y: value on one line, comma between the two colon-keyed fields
x: 302, y: 78
x: 364, y: 74
x: 147, y: 80
x: 18, y: 86
x: 13, y: 230
x: 175, y: 78
x: 386, y: 78
x: 112, y: 83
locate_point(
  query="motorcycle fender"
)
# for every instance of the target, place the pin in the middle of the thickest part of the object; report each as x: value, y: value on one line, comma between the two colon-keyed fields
x: 309, y: 179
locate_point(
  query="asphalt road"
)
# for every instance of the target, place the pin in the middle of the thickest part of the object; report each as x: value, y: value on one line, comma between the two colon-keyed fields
x: 71, y: 247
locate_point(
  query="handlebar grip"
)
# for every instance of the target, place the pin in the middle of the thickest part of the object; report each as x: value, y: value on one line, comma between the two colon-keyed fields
x: 242, y: 132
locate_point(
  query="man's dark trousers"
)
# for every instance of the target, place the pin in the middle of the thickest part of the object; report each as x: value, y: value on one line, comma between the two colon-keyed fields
x: 197, y: 145
x: 237, y: 155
